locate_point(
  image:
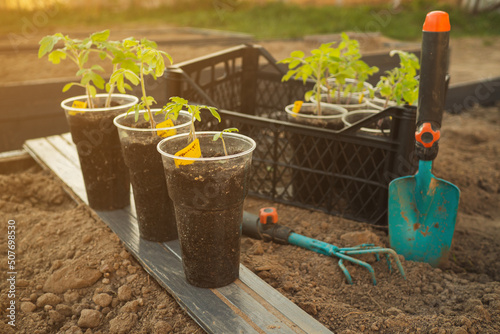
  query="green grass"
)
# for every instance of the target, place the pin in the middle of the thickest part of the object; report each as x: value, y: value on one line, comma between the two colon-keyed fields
x: 274, y: 20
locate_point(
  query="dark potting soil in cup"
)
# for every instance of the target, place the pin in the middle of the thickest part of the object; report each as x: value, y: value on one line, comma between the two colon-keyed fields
x: 209, y: 218
x: 155, y: 211
x: 105, y: 174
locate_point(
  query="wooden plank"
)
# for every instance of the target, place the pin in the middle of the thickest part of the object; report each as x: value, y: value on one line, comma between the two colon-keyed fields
x: 65, y: 148
x: 42, y: 150
x: 269, y: 318
x: 212, y: 314
x: 247, y: 306
x: 67, y: 137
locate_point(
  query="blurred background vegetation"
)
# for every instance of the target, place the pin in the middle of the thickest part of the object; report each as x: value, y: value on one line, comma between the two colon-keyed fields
x: 263, y: 19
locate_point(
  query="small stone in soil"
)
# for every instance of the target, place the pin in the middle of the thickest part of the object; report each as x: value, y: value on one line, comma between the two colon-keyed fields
x: 22, y: 283
x: 124, y: 293
x: 162, y: 327
x: 130, y: 278
x: 64, y: 310
x: 124, y: 254
x: 102, y: 299
x: 56, y: 317
x: 48, y: 299
x: 74, y: 330
x: 71, y: 297
x: 132, y: 306
x: 123, y: 323
x: 28, y: 307
x: 89, y: 318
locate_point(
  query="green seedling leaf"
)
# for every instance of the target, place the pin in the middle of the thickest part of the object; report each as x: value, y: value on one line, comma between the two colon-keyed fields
x: 130, y: 42
x: 101, y: 36
x: 297, y: 54
x: 92, y: 91
x: 98, y: 80
x: 56, y: 56
x: 97, y: 68
x: 47, y: 44
x: 308, y: 95
x: 179, y: 100
x: 177, y: 103
x: 214, y: 113
x: 132, y: 77
x: 149, y: 44
x: 68, y: 86
x: 217, y: 136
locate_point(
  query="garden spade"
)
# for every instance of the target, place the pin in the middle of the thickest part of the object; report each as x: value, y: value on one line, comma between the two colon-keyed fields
x: 423, y: 208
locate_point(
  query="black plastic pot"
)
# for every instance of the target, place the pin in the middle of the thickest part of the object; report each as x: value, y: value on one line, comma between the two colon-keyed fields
x: 208, y: 195
x: 155, y: 211
x: 96, y: 139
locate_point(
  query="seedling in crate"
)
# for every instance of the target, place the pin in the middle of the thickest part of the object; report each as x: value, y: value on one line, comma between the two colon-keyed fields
x: 141, y: 58
x: 79, y: 52
x: 172, y: 110
x: 400, y: 84
x: 220, y: 135
x: 347, y: 64
x: 329, y: 64
x: 314, y: 67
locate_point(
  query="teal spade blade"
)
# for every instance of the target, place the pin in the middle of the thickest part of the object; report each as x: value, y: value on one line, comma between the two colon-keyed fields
x: 422, y: 215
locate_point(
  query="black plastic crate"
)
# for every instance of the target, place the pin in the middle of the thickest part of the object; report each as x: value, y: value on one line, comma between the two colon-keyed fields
x: 344, y: 172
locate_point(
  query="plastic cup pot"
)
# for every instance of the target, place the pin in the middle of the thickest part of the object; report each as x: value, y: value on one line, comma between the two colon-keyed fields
x: 379, y: 127
x: 330, y: 118
x: 104, y: 173
x: 208, y: 194
x: 154, y: 208
x: 350, y: 101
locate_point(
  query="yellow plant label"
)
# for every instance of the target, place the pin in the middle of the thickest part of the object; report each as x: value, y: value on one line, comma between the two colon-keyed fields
x: 166, y: 133
x: 191, y: 151
x: 78, y: 104
x: 296, y: 107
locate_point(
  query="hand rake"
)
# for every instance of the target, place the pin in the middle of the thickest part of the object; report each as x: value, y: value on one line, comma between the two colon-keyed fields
x: 265, y: 227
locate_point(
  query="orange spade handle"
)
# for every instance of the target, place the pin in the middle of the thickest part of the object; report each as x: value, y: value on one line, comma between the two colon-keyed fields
x: 426, y: 135
x: 268, y: 215
x: 437, y: 21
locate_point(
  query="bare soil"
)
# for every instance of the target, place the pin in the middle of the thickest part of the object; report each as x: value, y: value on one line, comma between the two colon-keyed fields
x: 74, y: 275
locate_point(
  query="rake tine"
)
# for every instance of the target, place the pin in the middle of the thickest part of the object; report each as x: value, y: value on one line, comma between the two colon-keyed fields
x: 359, y: 262
x: 390, y: 252
x: 378, y: 250
x: 346, y: 272
x: 389, y: 264
x: 398, y: 263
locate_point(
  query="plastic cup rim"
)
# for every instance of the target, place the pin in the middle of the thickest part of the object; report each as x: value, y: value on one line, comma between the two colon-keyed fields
x: 212, y: 133
x: 342, y: 111
x: 124, y: 127
x: 363, y: 128
x: 134, y: 101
